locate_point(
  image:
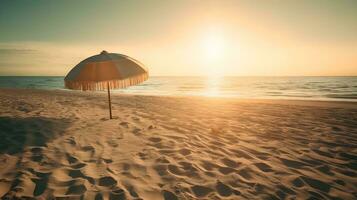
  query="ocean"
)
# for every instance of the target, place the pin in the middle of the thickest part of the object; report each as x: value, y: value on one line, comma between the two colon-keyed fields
x: 309, y: 88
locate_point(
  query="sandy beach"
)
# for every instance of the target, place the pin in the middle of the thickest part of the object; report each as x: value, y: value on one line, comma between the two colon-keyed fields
x: 61, y: 144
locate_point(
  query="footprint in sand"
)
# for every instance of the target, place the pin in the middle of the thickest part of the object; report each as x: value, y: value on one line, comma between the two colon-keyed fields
x: 263, y: 167
x: 71, y: 141
x: 161, y: 169
x: 229, y: 163
x: 175, y: 170
x: 71, y: 159
x: 226, y: 170
x: 223, y: 189
x: 135, y: 118
x: 132, y: 191
x: 184, y: 152
x: 88, y: 148
x: 284, y: 191
x: 211, y: 174
x: 113, y: 143
x: 162, y: 159
x: 245, y: 173
x: 78, y: 166
x: 151, y: 127
x: 142, y: 155
x: 325, y: 169
x: 40, y: 182
x: 155, y: 139
x: 201, y: 191
x: 298, y: 182
x: 169, y: 195
x: 124, y: 124
x: 117, y: 194
x: 136, y: 131
x: 317, y: 184
x: 207, y: 165
x: 107, y: 181
x: 77, y: 173
x: 292, y: 163
x: 76, y: 189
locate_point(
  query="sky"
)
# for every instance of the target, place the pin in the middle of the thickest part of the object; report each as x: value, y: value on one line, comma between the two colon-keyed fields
x: 181, y: 37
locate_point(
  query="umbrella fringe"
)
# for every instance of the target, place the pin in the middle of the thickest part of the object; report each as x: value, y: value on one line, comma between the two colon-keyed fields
x: 103, y: 85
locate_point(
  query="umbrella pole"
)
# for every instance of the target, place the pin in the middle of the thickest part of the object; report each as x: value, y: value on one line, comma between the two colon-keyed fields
x: 110, y: 103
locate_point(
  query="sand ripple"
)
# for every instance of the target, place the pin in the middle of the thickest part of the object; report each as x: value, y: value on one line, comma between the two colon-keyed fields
x: 59, y: 145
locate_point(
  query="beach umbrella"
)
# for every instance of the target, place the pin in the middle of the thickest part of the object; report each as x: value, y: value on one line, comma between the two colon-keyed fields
x: 106, y: 71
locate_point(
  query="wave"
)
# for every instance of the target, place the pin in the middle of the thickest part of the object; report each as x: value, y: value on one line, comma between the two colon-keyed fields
x: 342, y: 88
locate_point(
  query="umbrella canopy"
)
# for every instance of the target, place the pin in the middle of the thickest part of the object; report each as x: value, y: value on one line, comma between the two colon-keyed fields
x: 106, y: 69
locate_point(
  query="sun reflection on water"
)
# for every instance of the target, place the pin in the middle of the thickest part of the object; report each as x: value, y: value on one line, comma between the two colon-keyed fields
x: 213, y: 86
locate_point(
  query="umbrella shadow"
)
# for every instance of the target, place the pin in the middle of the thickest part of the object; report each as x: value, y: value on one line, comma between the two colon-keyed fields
x: 16, y: 132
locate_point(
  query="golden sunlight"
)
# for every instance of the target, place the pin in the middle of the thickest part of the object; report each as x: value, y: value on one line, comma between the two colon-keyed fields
x: 213, y: 52
x: 212, y: 86
x: 213, y: 45
x: 178, y: 99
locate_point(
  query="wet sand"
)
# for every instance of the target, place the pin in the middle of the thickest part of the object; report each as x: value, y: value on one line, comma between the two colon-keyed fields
x: 61, y: 144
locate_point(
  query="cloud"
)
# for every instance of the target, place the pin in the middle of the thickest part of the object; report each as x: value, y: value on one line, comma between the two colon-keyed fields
x: 34, y: 58
x: 11, y: 51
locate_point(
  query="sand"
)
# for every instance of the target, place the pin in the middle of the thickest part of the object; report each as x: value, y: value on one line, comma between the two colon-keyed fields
x: 61, y: 144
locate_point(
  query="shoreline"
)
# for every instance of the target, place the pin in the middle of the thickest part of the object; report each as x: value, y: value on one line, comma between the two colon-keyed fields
x: 325, y: 102
x: 300, y: 88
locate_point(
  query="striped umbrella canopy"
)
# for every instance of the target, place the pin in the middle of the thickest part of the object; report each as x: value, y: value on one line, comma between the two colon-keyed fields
x: 106, y: 71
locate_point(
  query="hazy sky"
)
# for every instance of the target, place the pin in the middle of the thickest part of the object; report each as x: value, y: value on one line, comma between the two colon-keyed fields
x: 181, y: 37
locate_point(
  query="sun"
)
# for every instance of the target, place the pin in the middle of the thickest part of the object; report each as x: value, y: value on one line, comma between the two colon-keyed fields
x: 213, y: 45
x: 213, y: 50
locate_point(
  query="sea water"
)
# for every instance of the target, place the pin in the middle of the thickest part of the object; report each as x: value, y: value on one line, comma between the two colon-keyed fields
x: 313, y: 88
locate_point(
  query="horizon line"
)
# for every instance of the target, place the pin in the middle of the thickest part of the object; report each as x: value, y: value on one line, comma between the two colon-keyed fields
x: 200, y: 76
